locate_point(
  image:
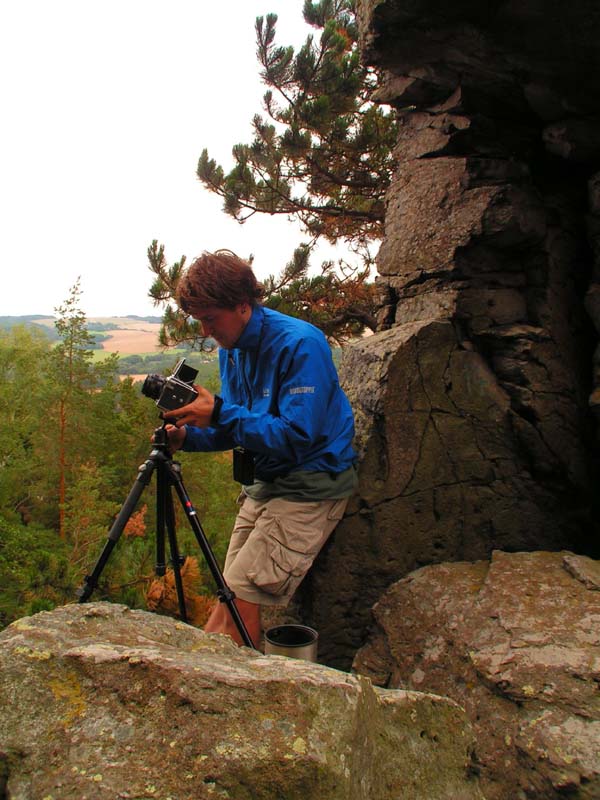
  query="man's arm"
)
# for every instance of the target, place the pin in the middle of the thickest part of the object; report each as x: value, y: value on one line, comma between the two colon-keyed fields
x: 304, y: 393
x: 192, y: 426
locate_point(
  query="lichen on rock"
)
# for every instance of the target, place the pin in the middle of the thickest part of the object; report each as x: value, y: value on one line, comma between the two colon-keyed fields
x: 124, y: 703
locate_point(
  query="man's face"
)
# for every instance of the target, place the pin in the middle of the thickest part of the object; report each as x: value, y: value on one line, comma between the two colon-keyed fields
x: 224, y: 325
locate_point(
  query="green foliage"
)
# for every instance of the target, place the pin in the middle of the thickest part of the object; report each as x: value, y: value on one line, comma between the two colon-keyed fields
x: 23, y: 355
x: 73, y: 439
x: 176, y: 328
x: 29, y: 320
x: 341, y: 300
x: 323, y: 153
x: 88, y: 513
x: 34, y: 571
x: 164, y: 363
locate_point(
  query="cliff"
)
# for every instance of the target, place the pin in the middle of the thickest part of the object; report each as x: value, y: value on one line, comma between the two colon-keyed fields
x: 475, y: 399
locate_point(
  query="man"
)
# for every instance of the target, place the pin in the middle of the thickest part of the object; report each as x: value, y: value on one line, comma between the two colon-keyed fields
x: 282, y: 410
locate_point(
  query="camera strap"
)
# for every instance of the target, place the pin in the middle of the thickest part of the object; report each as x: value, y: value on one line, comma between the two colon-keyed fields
x: 248, y: 381
x: 249, y: 366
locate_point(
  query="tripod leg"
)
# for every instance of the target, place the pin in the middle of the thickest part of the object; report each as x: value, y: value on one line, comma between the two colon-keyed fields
x: 224, y: 593
x: 173, y: 547
x: 143, y: 479
x: 160, y: 567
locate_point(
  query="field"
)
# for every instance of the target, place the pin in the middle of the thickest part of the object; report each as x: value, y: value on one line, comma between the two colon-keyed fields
x: 132, y: 341
x: 129, y: 336
x: 132, y: 335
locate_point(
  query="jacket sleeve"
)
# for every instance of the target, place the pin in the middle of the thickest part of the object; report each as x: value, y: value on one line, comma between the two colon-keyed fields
x: 206, y: 440
x: 209, y: 440
x: 305, y: 386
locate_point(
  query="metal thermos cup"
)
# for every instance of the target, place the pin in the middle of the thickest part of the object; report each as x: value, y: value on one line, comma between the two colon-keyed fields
x: 293, y: 641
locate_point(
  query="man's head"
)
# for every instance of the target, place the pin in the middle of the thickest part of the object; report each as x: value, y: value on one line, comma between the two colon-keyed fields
x: 219, y: 290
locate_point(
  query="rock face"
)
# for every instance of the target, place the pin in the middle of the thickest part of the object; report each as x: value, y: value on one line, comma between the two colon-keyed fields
x: 517, y: 643
x: 103, y: 702
x: 473, y: 400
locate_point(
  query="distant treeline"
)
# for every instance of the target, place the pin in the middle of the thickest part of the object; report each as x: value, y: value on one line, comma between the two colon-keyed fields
x: 9, y: 321
x: 30, y: 321
x: 164, y: 363
x: 6, y: 323
x: 95, y: 328
x: 158, y: 320
x: 102, y: 326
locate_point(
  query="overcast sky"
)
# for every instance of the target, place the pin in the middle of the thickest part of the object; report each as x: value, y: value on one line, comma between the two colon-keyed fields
x: 106, y: 107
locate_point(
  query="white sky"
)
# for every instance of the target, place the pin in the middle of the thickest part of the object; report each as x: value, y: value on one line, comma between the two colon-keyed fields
x: 106, y: 106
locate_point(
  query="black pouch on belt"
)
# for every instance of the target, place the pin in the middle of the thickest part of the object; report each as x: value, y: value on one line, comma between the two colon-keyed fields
x: 243, y: 466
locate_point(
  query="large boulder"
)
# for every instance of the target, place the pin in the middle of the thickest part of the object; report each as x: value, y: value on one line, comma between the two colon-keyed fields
x: 515, y: 641
x: 444, y: 476
x: 101, y: 702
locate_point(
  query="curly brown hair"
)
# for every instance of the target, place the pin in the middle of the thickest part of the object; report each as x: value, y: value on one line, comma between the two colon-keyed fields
x: 219, y: 279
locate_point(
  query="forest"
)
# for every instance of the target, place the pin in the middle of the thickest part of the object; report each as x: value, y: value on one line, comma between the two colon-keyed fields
x: 74, y: 437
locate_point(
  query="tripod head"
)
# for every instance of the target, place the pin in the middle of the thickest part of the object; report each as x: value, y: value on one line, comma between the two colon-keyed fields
x: 160, y: 440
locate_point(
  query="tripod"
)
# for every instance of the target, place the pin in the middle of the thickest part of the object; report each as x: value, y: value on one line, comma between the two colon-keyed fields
x: 168, y: 474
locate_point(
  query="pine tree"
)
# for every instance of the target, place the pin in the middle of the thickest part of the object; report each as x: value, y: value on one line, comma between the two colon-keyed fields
x: 322, y: 153
x: 23, y: 398
x: 78, y: 416
x: 73, y: 376
x: 341, y: 305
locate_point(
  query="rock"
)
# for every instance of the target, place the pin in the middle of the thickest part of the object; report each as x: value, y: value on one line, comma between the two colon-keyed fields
x: 107, y: 702
x: 536, y: 56
x: 475, y: 401
x: 455, y: 463
x: 573, y: 139
x: 592, y: 304
x: 515, y: 641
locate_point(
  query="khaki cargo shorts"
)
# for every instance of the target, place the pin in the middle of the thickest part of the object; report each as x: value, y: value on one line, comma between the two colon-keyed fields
x: 273, y: 544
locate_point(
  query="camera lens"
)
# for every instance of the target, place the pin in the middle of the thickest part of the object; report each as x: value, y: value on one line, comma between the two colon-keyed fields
x: 152, y: 386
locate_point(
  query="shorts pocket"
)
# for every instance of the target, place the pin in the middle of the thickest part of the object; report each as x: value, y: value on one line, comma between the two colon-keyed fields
x: 282, y: 571
x: 278, y: 570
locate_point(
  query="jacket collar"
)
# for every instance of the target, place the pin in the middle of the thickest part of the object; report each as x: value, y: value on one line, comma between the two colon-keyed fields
x: 250, y: 338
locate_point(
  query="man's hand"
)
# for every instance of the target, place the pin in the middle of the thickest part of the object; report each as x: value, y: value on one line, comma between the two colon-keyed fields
x: 196, y: 413
x: 176, y: 437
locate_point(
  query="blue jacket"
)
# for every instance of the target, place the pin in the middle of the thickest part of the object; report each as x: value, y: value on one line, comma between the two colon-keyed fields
x: 281, y: 400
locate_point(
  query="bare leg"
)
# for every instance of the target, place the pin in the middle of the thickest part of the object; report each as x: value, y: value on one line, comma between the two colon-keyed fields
x: 221, y: 621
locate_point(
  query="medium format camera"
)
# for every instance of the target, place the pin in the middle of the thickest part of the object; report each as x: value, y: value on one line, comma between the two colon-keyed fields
x: 172, y: 392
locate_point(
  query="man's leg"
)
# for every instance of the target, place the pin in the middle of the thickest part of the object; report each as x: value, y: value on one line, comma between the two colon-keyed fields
x: 298, y: 529
x: 221, y: 621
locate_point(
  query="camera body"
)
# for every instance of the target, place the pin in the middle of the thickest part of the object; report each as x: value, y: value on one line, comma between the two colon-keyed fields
x: 175, y: 391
